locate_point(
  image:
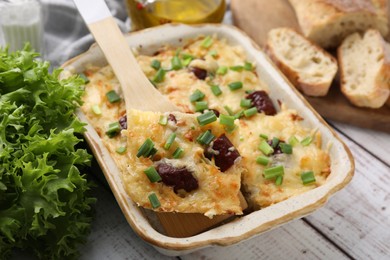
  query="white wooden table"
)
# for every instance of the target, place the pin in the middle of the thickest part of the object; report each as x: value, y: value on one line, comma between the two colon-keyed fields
x: 354, y: 224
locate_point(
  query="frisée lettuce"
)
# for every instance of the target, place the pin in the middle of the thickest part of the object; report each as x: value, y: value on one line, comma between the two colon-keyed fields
x: 45, y: 204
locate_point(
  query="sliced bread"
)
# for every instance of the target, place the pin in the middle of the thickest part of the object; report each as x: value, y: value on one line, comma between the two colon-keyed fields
x: 365, y: 69
x: 328, y: 22
x: 308, y: 67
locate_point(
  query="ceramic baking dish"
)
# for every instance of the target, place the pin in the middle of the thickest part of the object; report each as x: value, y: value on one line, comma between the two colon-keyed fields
x: 255, y: 223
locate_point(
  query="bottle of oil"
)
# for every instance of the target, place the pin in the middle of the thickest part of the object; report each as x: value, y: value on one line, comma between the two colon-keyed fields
x: 148, y: 13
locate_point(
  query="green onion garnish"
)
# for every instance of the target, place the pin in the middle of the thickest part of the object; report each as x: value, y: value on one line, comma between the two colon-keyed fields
x: 245, y: 103
x: 273, y: 172
x: 146, y: 148
x: 152, y: 152
x: 96, y: 110
x: 236, y: 68
x: 113, y: 129
x: 308, y: 177
x: 263, y: 160
x: 187, y: 56
x: 235, y: 85
x: 248, y: 66
x: 286, y: 148
x: 187, y: 61
x: 163, y: 120
x: 200, y: 106
x: 207, y: 42
x: 155, y: 64
x: 178, y: 153
x: 216, y: 90
x: 160, y: 76
x: 84, y: 77
x: 306, y: 141
x: 197, y: 96
x: 206, y: 118
x: 275, y: 142
x: 239, y: 114
x: 170, y: 141
x: 112, y: 96
x: 222, y: 70
x: 250, y: 112
x: 121, y: 150
x: 264, y: 136
x: 293, y: 140
x: 279, y: 180
x: 229, y: 110
x: 205, y: 138
x: 152, y: 174
x: 226, y: 120
x: 154, y: 200
x: 265, y: 148
x: 249, y: 91
x: 176, y: 63
x: 213, y: 53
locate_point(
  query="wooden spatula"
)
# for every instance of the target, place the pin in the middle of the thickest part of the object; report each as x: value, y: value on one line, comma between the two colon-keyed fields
x: 139, y: 94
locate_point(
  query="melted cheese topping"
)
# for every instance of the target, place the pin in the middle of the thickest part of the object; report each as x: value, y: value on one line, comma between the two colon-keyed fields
x: 217, y: 192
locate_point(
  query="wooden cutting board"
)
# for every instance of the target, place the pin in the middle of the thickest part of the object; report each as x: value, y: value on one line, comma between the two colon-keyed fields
x: 257, y: 17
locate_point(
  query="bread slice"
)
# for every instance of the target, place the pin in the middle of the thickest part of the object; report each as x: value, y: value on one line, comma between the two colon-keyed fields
x: 306, y: 65
x: 328, y: 22
x: 365, y: 69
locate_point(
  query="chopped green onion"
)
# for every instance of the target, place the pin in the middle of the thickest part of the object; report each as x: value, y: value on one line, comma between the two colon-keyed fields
x: 152, y: 152
x: 293, y: 140
x: 245, y: 103
x: 112, y: 96
x: 146, y: 148
x: 163, y: 120
x: 205, y: 138
x: 178, y: 153
x: 275, y: 142
x: 249, y: 91
x: 273, y: 172
x: 264, y: 136
x: 187, y: 61
x: 235, y: 85
x: 279, y: 180
x: 152, y: 174
x: 113, y: 129
x: 206, y: 118
x: 121, y: 150
x: 248, y: 66
x: 187, y: 56
x: 222, y: 70
x: 226, y: 120
x: 84, y: 77
x: 263, y: 160
x: 250, y: 112
x: 308, y: 177
x: 160, y: 76
x: 197, y: 96
x: 306, y: 141
x: 96, y: 110
x: 207, y: 42
x: 155, y: 64
x: 239, y: 114
x: 154, y: 200
x: 286, y: 148
x: 200, y: 106
x: 216, y: 90
x: 176, y: 63
x: 237, y: 68
x: 213, y: 53
x: 170, y: 141
x: 229, y: 110
x: 265, y: 148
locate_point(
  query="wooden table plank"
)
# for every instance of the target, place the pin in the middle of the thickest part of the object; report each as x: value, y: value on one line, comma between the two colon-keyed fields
x: 358, y: 217
x: 295, y: 240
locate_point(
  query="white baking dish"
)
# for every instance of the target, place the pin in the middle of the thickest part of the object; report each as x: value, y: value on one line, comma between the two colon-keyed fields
x: 342, y: 164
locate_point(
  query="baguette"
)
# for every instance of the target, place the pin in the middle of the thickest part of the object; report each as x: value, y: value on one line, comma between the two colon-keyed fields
x: 328, y: 22
x: 365, y: 69
x: 308, y: 67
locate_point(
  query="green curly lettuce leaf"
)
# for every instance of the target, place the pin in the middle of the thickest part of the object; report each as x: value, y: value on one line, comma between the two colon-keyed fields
x: 45, y: 201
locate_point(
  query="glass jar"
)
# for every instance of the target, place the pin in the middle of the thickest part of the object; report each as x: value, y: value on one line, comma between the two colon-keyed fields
x: 148, y: 13
x: 20, y: 22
